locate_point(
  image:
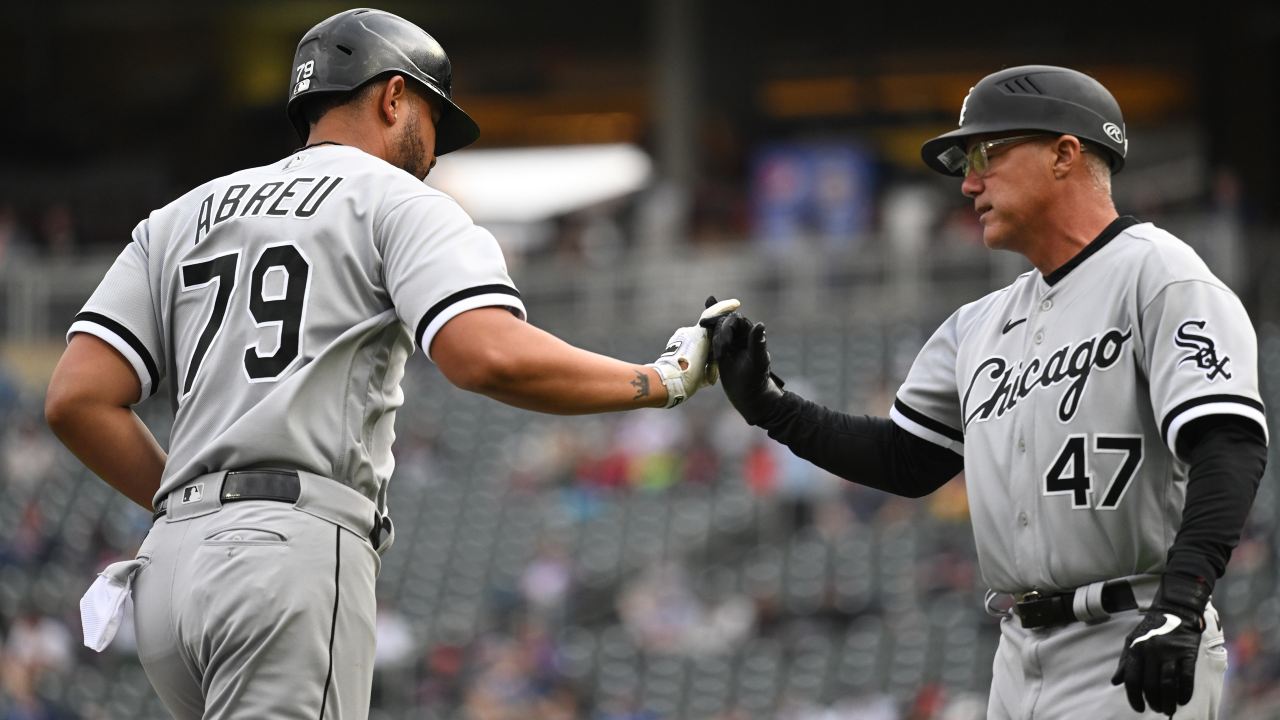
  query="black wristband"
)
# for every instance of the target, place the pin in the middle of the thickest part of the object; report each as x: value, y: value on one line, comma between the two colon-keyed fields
x: 1183, y: 596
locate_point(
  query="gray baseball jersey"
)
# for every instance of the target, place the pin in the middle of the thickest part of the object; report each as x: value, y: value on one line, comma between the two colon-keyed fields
x: 282, y: 303
x: 1065, y: 394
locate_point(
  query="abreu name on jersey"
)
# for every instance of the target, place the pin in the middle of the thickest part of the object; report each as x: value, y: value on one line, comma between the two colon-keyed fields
x: 255, y: 203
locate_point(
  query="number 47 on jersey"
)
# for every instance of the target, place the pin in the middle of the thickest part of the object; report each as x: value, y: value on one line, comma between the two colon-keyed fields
x: 1070, y: 475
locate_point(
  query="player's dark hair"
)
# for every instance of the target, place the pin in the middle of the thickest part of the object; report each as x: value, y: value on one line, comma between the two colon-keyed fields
x: 317, y: 106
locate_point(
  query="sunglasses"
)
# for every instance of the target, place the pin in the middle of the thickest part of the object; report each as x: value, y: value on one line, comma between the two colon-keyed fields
x: 977, y: 159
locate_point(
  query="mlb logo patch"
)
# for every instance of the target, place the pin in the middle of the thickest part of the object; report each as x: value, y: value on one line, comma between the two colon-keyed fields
x: 192, y: 493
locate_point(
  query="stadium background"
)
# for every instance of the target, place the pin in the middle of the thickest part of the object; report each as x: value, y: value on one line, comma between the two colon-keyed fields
x: 634, y: 158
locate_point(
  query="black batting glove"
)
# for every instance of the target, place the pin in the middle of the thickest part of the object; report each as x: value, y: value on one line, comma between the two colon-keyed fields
x: 1159, y: 658
x: 738, y: 349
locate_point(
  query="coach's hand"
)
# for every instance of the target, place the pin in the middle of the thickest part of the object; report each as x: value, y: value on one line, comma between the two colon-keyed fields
x: 1159, y: 657
x: 738, y: 349
x: 685, y: 365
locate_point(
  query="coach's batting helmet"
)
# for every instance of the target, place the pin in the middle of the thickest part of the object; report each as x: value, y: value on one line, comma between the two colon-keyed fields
x: 351, y: 48
x: 1034, y: 97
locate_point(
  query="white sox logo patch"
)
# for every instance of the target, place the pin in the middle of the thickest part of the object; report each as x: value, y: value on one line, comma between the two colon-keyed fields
x: 1070, y: 364
x: 1204, y: 352
x: 964, y: 107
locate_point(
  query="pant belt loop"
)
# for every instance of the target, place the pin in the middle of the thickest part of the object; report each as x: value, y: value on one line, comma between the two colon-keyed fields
x: 338, y: 503
x: 1086, y: 604
x: 1003, y: 609
x: 383, y: 535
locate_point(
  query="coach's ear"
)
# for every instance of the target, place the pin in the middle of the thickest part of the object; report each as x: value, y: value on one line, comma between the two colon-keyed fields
x: 1066, y: 155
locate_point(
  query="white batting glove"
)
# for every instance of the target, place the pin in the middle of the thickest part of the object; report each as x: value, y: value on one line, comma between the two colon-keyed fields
x: 683, y: 365
x: 715, y: 310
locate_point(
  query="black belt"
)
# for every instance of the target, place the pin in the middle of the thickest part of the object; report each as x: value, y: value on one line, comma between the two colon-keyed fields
x: 274, y: 485
x: 1037, y: 610
x: 277, y: 485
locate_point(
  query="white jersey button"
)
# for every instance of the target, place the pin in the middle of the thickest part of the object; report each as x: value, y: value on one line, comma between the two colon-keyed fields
x: 1046, y: 305
x: 1022, y: 519
x: 1022, y: 446
x: 1039, y: 336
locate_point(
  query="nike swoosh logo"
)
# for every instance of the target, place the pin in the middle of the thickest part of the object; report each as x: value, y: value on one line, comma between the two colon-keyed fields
x: 1171, y: 623
x: 1011, y: 325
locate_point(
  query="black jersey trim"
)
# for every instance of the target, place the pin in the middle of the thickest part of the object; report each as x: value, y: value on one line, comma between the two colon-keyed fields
x: 441, y: 306
x: 923, y: 420
x: 1205, y: 400
x: 333, y: 624
x: 129, y: 337
x: 1108, y: 234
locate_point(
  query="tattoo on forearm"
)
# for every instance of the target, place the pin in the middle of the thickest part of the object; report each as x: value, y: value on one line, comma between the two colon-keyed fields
x: 641, y: 384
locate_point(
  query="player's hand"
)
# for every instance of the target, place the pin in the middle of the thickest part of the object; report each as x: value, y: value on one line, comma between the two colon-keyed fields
x: 1158, y: 662
x: 738, y: 348
x: 713, y: 312
x: 683, y: 365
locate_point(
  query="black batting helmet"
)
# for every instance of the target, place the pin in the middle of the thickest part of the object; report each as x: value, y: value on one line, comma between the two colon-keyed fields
x: 353, y: 47
x: 1034, y: 97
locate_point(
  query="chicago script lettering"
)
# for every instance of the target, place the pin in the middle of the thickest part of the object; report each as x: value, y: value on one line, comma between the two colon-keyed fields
x: 1069, y: 364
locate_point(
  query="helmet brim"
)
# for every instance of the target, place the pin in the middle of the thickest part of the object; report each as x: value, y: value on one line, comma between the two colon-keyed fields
x: 455, y: 130
x: 933, y: 149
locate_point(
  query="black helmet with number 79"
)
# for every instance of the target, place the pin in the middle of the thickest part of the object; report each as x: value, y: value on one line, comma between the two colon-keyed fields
x: 353, y: 47
x: 1033, y: 97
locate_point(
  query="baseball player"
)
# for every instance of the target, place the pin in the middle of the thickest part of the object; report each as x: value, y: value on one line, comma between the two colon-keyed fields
x: 281, y: 304
x: 1104, y: 409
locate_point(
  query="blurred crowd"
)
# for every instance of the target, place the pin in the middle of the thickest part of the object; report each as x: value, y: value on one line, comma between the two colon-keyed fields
x: 534, y: 650
x: 47, y: 231
x: 527, y: 662
x: 544, y: 647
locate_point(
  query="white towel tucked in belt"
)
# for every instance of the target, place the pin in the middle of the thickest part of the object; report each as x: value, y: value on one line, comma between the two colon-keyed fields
x: 108, y: 599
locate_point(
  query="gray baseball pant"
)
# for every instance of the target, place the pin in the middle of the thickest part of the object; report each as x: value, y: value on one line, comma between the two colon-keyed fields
x: 260, y: 609
x: 1064, y: 673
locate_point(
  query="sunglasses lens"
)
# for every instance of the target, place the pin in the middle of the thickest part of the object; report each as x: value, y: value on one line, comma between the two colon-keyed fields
x: 976, y: 159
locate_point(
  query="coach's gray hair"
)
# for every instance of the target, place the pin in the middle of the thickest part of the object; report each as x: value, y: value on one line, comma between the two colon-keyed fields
x: 1096, y: 162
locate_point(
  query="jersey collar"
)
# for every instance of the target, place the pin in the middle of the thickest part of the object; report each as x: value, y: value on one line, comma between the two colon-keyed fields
x: 318, y: 144
x: 1108, y: 234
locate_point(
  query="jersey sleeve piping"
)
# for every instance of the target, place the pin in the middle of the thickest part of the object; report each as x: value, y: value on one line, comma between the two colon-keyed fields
x: 125, y: 342
x: 1211, y: 405
x: 461, y: 301
x: 926, y: 428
